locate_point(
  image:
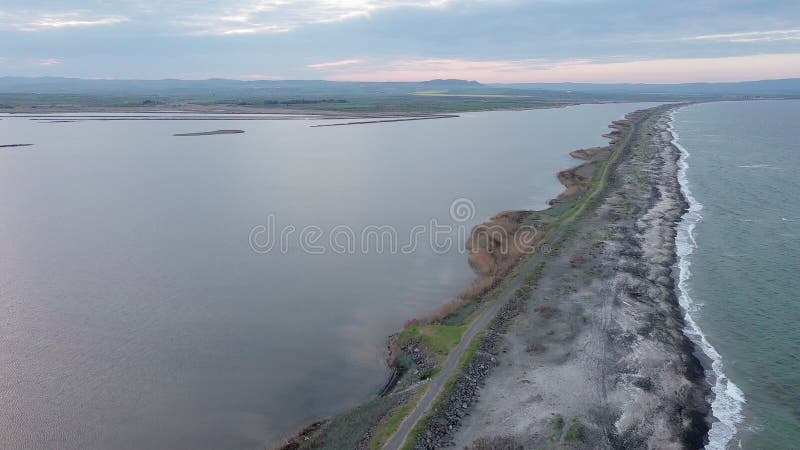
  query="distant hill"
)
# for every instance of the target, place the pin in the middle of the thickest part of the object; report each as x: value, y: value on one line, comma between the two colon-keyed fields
x: 789, y: 86
x: 57, y: 85
x: 18, y: 93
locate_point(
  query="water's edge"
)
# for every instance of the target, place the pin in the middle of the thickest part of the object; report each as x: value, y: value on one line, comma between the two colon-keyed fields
x: 726, y: 400
x: 697, y: 346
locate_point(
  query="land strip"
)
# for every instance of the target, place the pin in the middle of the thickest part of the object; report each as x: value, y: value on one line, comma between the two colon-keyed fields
x: 583, y: 376
x: 597, y: 357
x: 522, y: 277
x: 209, y: 133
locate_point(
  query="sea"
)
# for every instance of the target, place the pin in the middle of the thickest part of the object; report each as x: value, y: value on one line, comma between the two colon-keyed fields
x: 739, y: 264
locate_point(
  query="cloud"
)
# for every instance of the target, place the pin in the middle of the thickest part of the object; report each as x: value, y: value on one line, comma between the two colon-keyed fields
x: 276, y: 16
x: 334, y: 64
x: 49, y: 62
x: 26, y: 21
x: 668, y: 70
x: 752, y: 36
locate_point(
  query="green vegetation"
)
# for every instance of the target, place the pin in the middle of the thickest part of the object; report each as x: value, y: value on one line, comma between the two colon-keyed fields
x: 471, y: 350
x: 348, y: 429
x: 346, y: 102
x: 573, y: 431
x: 417, y: 431
x: 563, y: 432
x: 422, y: 424
x: 392, y: 422
x: 463, y: 314
x: 496, y: 443
x: 557, y: 424
x: 437, y: 339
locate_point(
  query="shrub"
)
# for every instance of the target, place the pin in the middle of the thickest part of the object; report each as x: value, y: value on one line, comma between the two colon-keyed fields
x: 496, y: 443
x: 410, y: 323
x: 535, y: 347
x: 548, y: 312
x: 478, y: 288
x: 445, y: 310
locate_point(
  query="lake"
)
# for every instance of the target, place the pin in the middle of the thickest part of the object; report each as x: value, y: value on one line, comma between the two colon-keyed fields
x: 144, y: 303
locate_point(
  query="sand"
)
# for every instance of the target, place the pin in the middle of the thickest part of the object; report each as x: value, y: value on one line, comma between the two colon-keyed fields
x: 597, y: 358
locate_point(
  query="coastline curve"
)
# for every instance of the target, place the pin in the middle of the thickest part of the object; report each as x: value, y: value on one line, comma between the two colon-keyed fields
x: 727, y: 402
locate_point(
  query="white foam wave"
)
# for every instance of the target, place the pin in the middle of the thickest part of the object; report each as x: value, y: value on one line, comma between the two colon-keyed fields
x: 728, y: 400
x: 755, y: 166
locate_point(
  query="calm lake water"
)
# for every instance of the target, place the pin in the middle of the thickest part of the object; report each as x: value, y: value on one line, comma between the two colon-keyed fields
x: 742, y: 173
x: 135, y: 314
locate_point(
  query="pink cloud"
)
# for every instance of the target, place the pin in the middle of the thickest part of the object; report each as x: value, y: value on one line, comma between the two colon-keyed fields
x: 334, y: 64
x: 49, y: 62
x: 668, y: 70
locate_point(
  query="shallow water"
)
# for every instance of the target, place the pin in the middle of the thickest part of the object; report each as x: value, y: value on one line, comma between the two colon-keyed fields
x: 135, y: 313
x: 742, y: 171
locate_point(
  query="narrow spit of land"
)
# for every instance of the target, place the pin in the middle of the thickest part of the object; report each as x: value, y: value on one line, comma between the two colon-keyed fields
x: 405, y: 119
x: 521, y: 276
x: 596, y: 357
x: 581, y: 345
x: 210, y: 133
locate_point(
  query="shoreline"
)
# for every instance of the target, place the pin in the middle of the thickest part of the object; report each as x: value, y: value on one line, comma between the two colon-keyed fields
x: 599, y: 346
x: 228, y: 109
x: 458, y: 404
x: 726, y: 400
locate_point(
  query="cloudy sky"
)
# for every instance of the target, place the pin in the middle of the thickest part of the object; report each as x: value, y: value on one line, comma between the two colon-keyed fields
x: 484, y: 40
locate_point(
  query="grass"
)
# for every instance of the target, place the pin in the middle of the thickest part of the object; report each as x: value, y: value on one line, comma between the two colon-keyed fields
x: 465, y: 359
x: 437, y: 339
x: 463, y: 315
x: 573, y: 431
x: 348, y: 429
x: 471, y: 350
x: 557, y: 425
x: 392, y: 422
x: 342, y: 101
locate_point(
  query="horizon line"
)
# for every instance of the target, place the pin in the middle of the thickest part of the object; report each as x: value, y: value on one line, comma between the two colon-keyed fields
x: 246, y: 80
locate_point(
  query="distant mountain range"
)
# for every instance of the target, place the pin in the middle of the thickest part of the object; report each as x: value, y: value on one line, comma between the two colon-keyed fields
x: 270, y: 88
x: 789, y: 86
x: 57, y: 85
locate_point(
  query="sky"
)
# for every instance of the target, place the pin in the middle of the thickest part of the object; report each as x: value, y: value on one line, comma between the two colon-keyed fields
x: 404, y: 40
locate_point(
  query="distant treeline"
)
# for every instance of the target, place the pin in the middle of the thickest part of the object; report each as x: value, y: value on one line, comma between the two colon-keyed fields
x: 268, y: 102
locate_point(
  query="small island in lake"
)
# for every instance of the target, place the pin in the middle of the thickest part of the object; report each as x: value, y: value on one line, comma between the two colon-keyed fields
x: 209, y: 133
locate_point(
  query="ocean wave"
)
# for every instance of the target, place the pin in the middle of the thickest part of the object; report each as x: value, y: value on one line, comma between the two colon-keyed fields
x: 729, y: 400
x: 761, y: 166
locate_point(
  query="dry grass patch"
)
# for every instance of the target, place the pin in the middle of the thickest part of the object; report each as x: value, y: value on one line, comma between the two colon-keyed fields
x: 548, y: 312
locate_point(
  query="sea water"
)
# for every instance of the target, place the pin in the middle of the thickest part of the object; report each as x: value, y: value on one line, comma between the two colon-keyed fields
x: 739, y: 265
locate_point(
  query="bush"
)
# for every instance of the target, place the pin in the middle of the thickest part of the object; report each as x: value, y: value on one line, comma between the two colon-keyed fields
x: 535, y: 347
x: 548, y: 312
x: 410, y: 323
x: 479, y: 288
x: 496, y: 443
